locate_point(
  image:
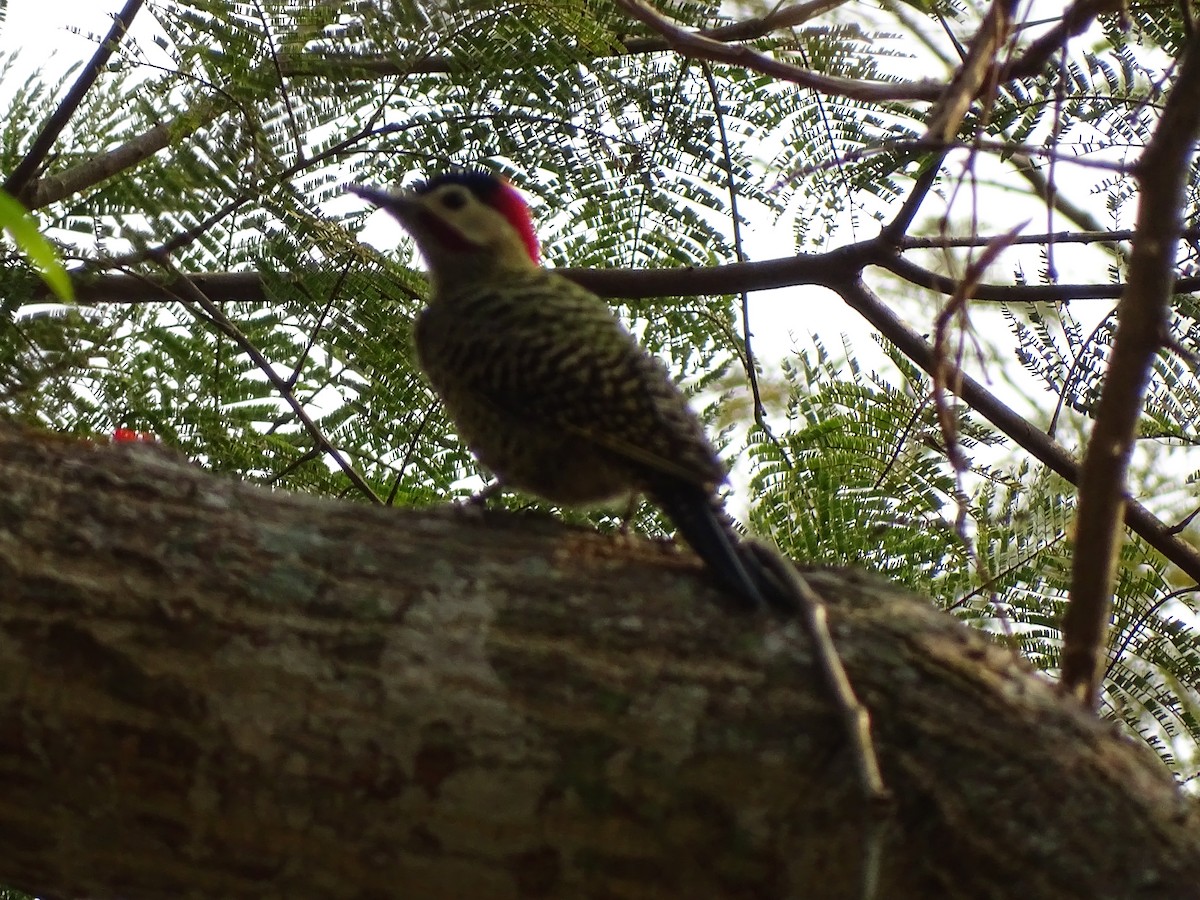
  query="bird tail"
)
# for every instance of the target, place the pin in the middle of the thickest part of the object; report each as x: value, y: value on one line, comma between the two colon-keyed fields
x: 702, y: 522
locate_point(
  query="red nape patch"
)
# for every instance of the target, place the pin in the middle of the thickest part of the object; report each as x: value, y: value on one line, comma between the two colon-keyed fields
x: 509, y: 203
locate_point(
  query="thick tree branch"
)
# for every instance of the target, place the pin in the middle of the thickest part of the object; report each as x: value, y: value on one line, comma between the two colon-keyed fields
x: 837, y: 269
x: 1142, y: 319
x: 644, y: 284
x: 61, y: 185
x: 211, y: 689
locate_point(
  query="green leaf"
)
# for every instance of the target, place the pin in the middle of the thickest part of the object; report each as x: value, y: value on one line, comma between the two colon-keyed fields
x: 17, y: 221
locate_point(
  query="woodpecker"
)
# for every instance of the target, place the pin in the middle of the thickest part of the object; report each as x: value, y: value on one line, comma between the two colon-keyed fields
x: 544, y: 384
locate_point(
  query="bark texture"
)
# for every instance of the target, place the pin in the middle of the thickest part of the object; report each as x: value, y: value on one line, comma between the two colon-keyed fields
x: 208, y: 689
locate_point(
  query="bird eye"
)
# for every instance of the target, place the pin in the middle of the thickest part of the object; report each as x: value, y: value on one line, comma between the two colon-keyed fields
x: 454, y: 200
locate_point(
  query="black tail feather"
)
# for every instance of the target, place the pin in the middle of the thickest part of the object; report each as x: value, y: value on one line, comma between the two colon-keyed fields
x: 703, y: 523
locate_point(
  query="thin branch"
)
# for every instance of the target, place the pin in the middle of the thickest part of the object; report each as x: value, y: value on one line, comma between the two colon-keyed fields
x: 1156, y: 533
x: 1076, y: 367
x: 250, y: 193
x: 695, y: 45
x: 312, y: 337
x: 894, y: 231
x: 976, y: 72
x: 644, y: 284
x: 191, y: 296
x: 1054, y: 198
x: 1142, y: 323
x: 269, y: 39
x: 760, y: 412
x: 20, y: 177
x: 914, y: 146
x: 339, y: 65
x: 52, y: 188
x: 1075, y: 21
x: 747, y: 29
x: 1141, y: 620
x: 1020, y: 293
x: 988, y: 584
x: 1099, y: 236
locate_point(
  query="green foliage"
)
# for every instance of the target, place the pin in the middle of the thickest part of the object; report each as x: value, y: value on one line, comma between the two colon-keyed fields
x: 862, y: 479
x: 859, y: 479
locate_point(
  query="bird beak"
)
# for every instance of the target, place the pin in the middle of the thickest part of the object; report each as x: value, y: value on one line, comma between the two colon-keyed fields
x: 402, y: 206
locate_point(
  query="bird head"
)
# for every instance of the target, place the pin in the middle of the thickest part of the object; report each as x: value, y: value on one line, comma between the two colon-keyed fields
x: 463, y: 222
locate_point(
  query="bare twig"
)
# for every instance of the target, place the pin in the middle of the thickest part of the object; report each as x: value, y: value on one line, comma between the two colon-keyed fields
x: 856, y: 721
x: 1142, y: 319
x: 760, y: 411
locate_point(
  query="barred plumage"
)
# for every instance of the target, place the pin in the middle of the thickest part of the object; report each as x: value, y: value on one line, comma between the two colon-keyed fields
x: 544, y: 383
x: 554, y: 395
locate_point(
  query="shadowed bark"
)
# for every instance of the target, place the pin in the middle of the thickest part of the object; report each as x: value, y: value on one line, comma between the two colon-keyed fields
x: 208, y: 689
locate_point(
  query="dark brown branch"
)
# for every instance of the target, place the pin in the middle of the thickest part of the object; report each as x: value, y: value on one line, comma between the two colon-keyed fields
x: 1142, y: 319
x: 695, y: 45
x: 1074, y: 22
x: 643, y: 284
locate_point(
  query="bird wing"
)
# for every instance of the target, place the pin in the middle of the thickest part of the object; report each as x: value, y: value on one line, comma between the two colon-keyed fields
x: 556, y: 356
